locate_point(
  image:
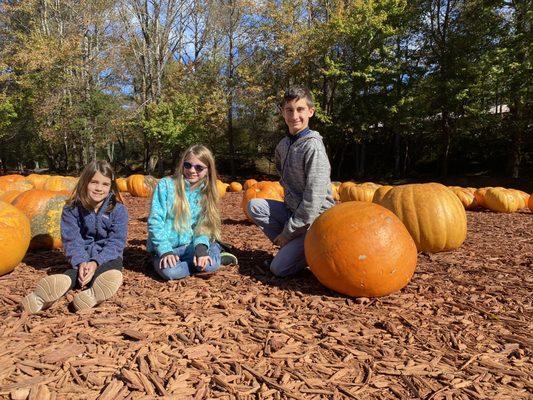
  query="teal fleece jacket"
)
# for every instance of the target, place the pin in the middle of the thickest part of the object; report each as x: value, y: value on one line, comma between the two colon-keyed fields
x: 162, y: 237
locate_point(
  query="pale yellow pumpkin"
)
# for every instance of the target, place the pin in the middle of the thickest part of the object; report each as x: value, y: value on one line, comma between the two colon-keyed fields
x: 432, y: 214
x: 502, y: 200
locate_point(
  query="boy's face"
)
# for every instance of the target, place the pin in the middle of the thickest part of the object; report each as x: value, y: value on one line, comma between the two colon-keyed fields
x: 296, y: 114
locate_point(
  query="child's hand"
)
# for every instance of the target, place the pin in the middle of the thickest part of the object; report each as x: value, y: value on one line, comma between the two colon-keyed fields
x: 169, y: 261
x: 281, y: 240
x: 202, y: 262
x: 86, y: 272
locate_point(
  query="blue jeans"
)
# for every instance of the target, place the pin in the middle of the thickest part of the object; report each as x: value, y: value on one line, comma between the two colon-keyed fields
x: 271, y: 216
x: 185, y: 265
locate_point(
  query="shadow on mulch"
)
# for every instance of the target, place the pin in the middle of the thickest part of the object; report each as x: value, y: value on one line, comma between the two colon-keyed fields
x: 252, y: 264
x: 137, y: 242
x: 139, y: 260
x: 229, y: 221
x: 53, y: 260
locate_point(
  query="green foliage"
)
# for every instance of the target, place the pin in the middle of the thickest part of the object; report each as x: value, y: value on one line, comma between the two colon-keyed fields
x: 171, y: 124
x: 400, y: 86
x: 7, y: 116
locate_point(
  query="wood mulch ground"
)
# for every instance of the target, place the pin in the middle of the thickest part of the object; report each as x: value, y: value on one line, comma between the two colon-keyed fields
x: 460, y: 330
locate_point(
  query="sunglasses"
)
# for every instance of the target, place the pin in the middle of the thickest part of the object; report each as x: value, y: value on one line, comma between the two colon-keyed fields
x: 197, y: 167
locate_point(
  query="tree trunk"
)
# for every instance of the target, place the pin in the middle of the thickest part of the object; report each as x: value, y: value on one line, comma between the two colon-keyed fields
x: 230, y: 106
x: 397, y: 152
x: 446, y: 141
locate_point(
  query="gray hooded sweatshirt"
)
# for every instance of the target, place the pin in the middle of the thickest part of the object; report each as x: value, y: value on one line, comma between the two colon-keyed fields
x: 304, y: 169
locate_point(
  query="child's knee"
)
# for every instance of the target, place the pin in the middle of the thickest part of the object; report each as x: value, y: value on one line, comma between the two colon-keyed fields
x: 256, y: 207
x: 180, y: 271
x: 282, y: 268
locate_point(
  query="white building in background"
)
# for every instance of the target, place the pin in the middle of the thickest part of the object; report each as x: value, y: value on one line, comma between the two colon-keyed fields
x: 499, y: 109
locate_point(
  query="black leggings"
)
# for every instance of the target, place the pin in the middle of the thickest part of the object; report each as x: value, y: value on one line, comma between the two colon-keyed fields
x: 113, y: 264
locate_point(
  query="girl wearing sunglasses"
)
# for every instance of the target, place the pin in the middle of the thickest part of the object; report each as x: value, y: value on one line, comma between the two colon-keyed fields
x: 184, y: 222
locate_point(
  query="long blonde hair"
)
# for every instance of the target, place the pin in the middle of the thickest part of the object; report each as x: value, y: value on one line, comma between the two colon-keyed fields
x: 209, y: 220
x: 79, y: 194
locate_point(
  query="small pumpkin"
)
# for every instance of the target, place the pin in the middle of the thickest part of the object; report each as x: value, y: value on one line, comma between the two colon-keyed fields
x: 222, y: 188
x: 141, y: 185
x: 479, y: 194
x: 43, y: 208
x: 432, y: 214
x: 530, y: 202
x: 14, y: 237
x: 249, y: 183
x: 235, y: 187
x: 335, y: 192
x: 466, y: 197
x: 360, y: 249
x: 122, y: 184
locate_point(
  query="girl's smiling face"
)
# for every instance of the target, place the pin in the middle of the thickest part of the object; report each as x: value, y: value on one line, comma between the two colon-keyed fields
x: 194, y: 170
x: 98, y: 189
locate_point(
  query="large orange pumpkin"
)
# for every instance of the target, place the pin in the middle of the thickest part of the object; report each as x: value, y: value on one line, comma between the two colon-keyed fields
x: 12, y: 178
x: 360, y: 249
x: 14, y: 237
x: 57, y: 183
x: 530, y: 202
x: 20, y: 185
x: 432, y: 214
x: 502, y: 200
x: 380, y: 193
x: 141, y: 185
x: 37, y: 180
x: 9, y: 196
x: 43, y: 208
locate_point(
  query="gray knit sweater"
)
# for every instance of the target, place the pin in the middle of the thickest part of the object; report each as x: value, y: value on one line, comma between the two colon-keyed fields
x: 305, y: 175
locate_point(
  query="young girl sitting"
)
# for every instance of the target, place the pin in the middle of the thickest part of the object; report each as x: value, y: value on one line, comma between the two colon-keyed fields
x: 94, y: 226
x: 184, y: 222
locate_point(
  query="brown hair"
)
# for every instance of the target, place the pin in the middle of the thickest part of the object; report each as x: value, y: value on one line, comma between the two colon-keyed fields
x: 297, y: 93
x: 209, y: 220
x: 79, y: 194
